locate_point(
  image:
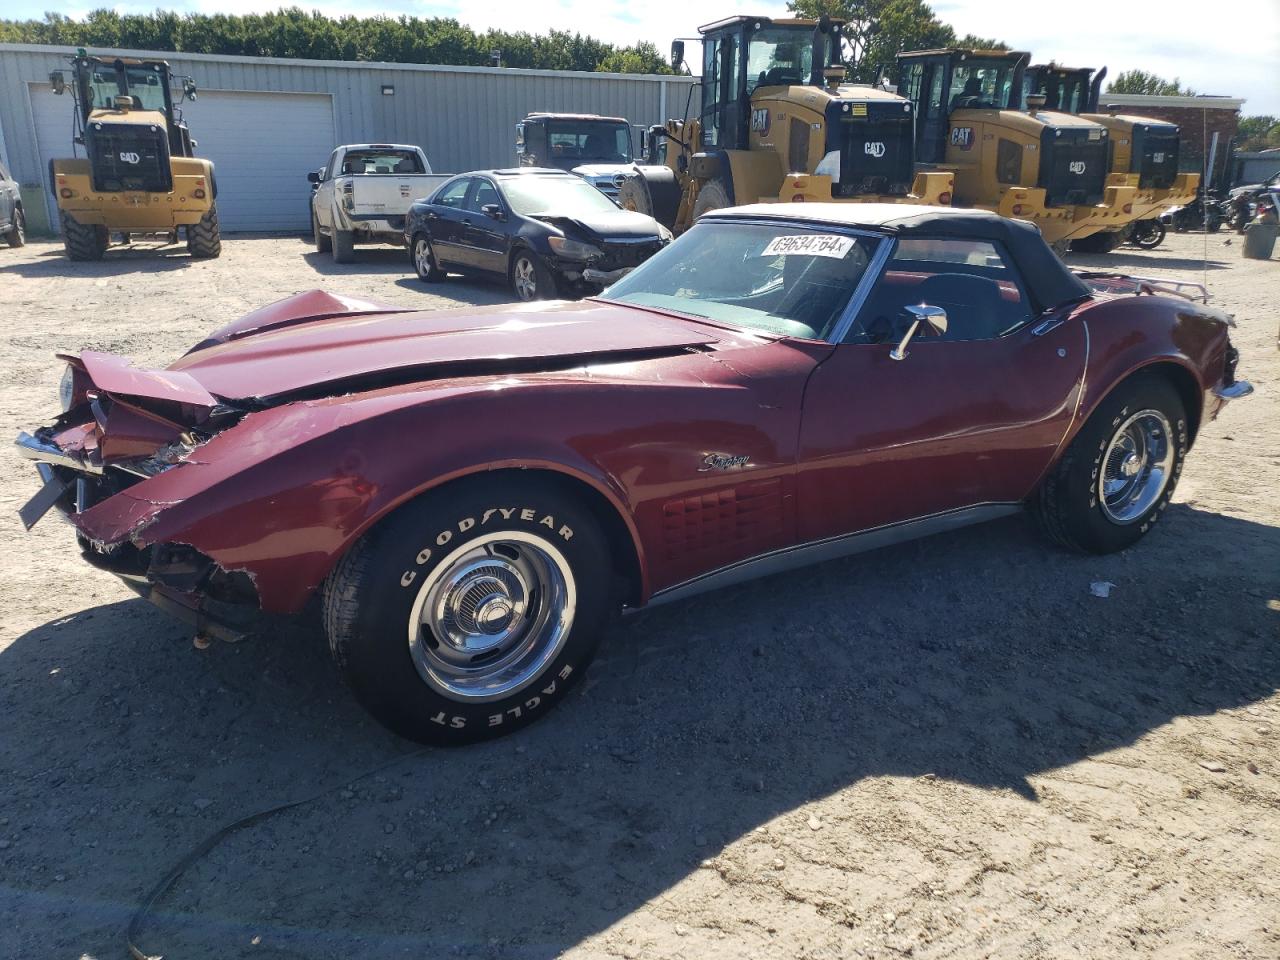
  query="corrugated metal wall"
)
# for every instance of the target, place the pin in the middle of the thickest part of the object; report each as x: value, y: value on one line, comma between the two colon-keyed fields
x: 464, y: 117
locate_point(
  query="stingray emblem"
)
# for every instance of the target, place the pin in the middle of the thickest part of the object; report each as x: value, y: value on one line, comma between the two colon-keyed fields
x: 723, y: 461
x: 127, y: 157
x: 873, y: 148
x: 1076, y: 167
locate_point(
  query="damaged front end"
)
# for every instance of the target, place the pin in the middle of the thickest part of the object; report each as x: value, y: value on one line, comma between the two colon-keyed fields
x: 121, y: 427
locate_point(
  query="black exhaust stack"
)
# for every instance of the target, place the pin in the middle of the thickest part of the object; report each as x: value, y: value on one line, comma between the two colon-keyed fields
x: 817, y: 71
x: 1095, y: 90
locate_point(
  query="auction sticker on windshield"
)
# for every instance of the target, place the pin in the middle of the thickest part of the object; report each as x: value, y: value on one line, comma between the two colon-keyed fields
x: 810, y: 245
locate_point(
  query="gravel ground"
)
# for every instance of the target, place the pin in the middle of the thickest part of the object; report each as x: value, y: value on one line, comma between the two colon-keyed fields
x: 946, y: 749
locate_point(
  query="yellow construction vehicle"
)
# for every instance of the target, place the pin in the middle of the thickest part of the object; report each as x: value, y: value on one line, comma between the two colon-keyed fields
x: 140, y: 176
x: 1144, y: 151
x: 1032, y: 164
x: 777, y: 123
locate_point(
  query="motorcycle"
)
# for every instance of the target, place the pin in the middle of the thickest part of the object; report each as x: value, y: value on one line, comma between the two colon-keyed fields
x: 1196, y: 215
x: 1146, y: 234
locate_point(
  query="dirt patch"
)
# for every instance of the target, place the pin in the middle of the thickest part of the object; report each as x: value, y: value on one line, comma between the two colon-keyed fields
x: 947, y: 749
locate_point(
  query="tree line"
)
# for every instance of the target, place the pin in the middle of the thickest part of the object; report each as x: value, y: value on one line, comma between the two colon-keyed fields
x: 296, y: 33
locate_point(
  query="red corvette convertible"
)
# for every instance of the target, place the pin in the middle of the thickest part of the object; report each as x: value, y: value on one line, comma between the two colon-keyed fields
x: 469, y: 496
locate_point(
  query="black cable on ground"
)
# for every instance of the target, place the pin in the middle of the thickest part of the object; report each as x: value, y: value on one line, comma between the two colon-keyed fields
x: 166, y: 882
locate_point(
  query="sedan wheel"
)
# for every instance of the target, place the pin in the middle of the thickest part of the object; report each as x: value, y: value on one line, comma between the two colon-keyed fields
x: 1135, y: 468
x: 18, y: 234
x: 530, y: 280
x: 424, y: 262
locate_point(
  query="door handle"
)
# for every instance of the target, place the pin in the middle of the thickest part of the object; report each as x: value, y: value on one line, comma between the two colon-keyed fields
x: 432, y: 216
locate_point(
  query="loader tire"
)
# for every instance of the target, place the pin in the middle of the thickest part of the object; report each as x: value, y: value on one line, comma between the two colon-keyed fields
x: 344, y: 246
x: 633, y: 194
x: 1104, y: 241
x: 204, y: 239
x: 83, y: 241
x: 713, y: 196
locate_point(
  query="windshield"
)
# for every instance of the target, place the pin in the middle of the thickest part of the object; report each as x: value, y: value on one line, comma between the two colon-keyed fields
x: 144, y: 84
x: 589, y: 140
x: 779, y: 278
x: 779, y: 56
x: 981, y: 85
x: 563, y: 196
x: 1065, y: 92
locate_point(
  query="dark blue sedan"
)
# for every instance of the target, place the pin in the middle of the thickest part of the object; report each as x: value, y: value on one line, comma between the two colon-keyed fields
x: 548, y: 233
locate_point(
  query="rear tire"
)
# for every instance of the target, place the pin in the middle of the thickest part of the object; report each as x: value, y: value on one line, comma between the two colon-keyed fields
x: 322, y: 242
x: 83, y: 241
x: 344, y: 246
x: 1152, y: 238
x: 424, y: 260
x: 18, y: 231
x: 204, y: 239
x: 472, y: 610
x: 714, y: 195
x: 1091, y: 501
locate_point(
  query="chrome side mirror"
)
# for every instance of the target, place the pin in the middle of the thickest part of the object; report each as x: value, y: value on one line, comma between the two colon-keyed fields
x: 926, y: 320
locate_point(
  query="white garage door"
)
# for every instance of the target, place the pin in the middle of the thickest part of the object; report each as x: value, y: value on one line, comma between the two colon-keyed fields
x: 262, y: 146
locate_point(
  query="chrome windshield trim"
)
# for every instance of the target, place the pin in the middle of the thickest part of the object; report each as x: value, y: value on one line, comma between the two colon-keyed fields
x: 31, y: 448
x: 870, y: 277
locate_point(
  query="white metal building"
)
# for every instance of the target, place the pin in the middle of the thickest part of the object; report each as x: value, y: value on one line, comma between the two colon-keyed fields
x: 266, y: 122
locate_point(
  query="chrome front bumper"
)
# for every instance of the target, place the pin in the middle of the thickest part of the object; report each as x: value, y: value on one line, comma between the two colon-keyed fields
x: 1234, y: 391
x: 33, y: 448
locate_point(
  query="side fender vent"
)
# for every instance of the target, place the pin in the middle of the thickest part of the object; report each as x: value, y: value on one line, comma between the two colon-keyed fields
x: 736, y: 515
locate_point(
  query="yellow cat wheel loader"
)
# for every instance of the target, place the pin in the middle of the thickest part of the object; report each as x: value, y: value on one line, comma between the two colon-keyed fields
x: 776, y: 123
x: 1046, y: 166
x: 139, y: 175
x: 1144, y: 152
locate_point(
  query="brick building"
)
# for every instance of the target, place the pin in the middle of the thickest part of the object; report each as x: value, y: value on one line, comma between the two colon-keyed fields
x: 1199, y: 119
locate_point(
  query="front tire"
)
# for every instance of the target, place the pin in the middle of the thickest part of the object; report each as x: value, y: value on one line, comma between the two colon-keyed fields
x: 1119, y: 473
x: 18, y: 231
x: 472, y: 611
x: 1152, y: 236
x: 530, y: 279
x: 424, y: 261
x: 713, y: 196
x: 204, y: 239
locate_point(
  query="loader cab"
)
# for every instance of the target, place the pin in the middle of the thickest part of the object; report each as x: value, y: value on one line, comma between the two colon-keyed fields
x: 102, y: 85
x: 1066, y: 89
x: 943, y: 83
x: 741, y: 55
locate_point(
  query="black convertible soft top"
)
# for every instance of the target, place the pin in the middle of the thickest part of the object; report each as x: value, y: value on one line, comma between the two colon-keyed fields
x: 1051, y: 283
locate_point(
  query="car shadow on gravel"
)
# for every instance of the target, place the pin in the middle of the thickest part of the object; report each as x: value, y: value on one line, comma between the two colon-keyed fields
x: 979, y: 657
x: 136, y: 258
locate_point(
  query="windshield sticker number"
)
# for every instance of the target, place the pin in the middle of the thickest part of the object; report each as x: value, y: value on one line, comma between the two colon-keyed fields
x: 809, y: 245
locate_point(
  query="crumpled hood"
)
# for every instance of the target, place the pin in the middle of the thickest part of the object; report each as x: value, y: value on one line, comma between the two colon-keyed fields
x: 362, y: 352
x: 608, y: 224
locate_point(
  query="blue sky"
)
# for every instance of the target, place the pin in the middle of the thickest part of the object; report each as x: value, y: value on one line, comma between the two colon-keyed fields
x: 1230, y: 48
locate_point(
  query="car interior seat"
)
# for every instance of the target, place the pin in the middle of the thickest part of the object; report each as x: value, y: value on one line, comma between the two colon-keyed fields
x: 975, y: 309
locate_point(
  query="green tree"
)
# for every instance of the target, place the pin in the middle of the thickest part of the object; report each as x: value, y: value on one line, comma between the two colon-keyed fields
x: 1259, y: 133
x: 293, y: 32
x: 1142, y: 82
x: 878, y: 30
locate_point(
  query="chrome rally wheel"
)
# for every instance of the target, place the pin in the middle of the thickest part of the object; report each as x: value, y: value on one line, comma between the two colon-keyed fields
x: 492, y: 614
x: 472, y: 610
x: 1136, y: 466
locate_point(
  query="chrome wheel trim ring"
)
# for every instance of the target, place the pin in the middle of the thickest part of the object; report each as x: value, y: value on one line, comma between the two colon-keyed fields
x: 422, y: 257
x: 526, y: 279
x: 491, y: 615
x: 1136, y: 467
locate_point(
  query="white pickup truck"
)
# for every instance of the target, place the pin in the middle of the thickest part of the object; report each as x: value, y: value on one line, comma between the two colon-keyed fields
x: 363, y: 193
